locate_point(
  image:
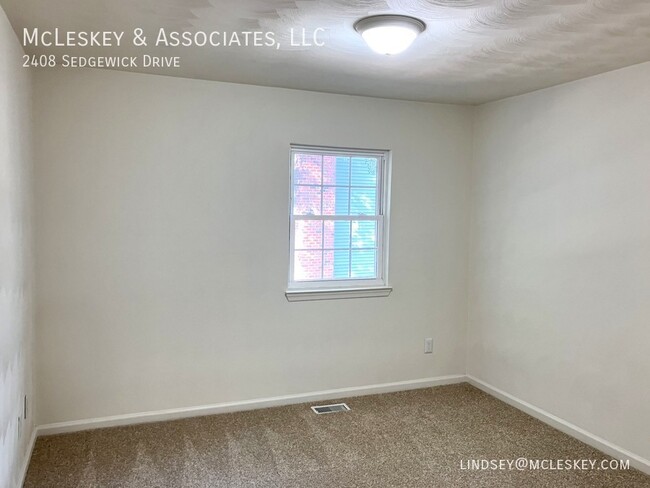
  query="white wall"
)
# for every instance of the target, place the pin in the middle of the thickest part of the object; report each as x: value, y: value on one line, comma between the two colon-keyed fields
x: 559, y: 311
x: 162, y: 247
x: 162, y: 251
x: 15, y: 257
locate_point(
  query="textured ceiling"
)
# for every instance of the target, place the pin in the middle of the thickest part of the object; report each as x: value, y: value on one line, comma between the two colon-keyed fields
x: 473, y: 51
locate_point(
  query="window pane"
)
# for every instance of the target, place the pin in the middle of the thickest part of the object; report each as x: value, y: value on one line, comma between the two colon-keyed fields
x: 363, y: 264
x: 306, y: 200
x: 336, y: 265
x: 335, y: 200
x: 337, y: 234
x: 309, y: 234
x: 336, y: 170
x: 364, y: 234
x: 363, y: 201
x: 364, y: 172
x: 307, y: 169
x: 307, y: 265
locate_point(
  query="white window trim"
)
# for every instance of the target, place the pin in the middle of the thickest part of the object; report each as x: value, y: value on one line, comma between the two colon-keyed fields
x: 333, y: 294
x: 335, y: 289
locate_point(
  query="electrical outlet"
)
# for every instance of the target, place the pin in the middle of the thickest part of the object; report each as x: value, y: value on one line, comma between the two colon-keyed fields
x: 428, y: 345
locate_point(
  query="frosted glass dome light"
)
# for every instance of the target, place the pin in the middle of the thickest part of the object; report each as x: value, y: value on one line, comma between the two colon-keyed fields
x: 389, y: 34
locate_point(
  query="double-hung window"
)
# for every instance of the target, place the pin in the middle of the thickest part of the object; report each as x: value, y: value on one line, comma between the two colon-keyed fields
x: 339, y: 223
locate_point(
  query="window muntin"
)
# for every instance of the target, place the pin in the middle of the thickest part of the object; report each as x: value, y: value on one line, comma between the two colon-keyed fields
x: 338, y: 204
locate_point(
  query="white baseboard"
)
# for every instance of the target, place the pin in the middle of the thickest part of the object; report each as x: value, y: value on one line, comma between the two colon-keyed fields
x: 562, y: 425
x: 28, y: 456
x: 179, y: 413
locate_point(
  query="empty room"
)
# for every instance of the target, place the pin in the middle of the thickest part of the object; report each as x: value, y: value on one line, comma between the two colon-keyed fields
x: 324, y: 243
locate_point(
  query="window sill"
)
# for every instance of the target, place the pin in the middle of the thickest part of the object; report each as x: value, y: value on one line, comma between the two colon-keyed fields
x: 337, y: 293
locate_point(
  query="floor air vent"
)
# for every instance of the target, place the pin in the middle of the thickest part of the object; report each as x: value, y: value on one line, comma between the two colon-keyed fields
x: 337, y: 407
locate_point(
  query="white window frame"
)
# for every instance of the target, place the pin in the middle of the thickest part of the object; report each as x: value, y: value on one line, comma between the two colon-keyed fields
x: 348, y: 288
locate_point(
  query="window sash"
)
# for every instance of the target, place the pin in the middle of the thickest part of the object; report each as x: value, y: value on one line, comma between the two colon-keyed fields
x: 378, y: 217
x: 347, y: 282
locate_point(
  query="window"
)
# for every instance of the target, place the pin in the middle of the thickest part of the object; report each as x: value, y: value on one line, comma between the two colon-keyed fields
x: 339, y: 223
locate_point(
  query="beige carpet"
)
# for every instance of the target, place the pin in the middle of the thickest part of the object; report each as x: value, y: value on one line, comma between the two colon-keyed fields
x: 409, y: 439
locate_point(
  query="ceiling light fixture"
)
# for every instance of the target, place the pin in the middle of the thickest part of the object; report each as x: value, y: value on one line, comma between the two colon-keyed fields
x: 389, y: 34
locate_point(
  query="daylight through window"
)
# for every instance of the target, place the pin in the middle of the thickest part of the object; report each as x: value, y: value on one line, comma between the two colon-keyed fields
x: 338, y: 218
